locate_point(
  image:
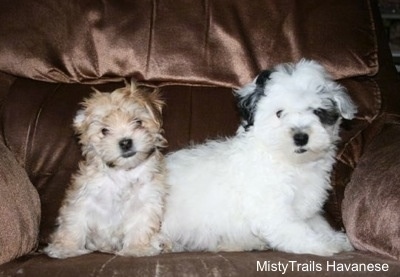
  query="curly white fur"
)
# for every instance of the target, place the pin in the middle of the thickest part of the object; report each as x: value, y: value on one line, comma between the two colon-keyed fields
x: 265, y: 187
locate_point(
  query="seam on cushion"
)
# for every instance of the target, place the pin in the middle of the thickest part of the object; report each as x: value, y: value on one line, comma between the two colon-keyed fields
x: 340, y: 155
x: 373, y: 28
x: 377, y: 109
x: 30, y: 139
x: 206, y: 48
x: 348, y: 144
x: 3, y: 135
x: 61, y: 165
x: 378, y: 102
x: 151, y: 35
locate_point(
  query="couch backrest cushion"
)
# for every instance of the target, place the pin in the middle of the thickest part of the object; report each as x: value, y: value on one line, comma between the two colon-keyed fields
x: 223, y: 43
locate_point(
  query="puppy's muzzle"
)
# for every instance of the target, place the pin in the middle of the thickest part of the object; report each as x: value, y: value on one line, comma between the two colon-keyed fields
x: 126, y: 146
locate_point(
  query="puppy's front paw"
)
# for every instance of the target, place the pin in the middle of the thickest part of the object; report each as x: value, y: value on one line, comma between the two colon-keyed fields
x: 343, y: 242
x: 336, y: 244
x: 59, y: 251
x: 140, y: 251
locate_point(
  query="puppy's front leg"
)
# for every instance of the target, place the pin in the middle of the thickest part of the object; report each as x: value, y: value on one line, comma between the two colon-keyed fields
x: 319, y: 224
x: 67, y: 241
x: 289, y: 233
x: 141, y: 229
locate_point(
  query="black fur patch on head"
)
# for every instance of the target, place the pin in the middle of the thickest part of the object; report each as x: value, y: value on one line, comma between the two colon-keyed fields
x: 262, y: 78
x: 247, y: 105
x: 327, y: 117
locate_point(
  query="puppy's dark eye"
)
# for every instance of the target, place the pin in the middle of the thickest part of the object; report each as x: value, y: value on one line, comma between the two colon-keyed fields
x: 105, y: 131
x: 319, y: 112
x: 138, y: 122
x: 279, y: 113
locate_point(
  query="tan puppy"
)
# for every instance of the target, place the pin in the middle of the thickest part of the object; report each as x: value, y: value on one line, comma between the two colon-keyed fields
x: 115, y: 201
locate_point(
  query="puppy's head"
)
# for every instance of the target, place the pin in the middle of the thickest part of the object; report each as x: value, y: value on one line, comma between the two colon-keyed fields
x: 296, y: 109
x: 122, y: 128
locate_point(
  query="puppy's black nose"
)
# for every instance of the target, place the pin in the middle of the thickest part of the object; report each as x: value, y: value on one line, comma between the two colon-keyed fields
x: 300, y: 139
x: 125, y: 144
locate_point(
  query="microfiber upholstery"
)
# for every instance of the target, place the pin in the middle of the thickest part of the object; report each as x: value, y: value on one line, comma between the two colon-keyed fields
x: 19, y: 209
x: 372, y: 199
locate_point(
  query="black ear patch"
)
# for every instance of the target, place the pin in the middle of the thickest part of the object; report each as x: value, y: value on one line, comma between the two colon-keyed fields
x: 262, y: 78
x: 247, y: 104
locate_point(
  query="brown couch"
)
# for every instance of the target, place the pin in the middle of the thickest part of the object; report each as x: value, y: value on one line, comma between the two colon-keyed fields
x: 53, y: 52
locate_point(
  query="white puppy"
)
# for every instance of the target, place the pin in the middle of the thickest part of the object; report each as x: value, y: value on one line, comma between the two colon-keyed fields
x: 265, y: 187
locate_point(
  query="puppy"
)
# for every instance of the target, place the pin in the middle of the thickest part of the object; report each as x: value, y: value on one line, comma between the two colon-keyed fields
x: 115, y: 201
x: 265, y: 187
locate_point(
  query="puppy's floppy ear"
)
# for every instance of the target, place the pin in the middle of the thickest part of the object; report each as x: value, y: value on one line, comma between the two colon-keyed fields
x: 79, y: 120
x: 154, y: 106
x: 81, y: 117
x: 155, y: 99
x: 248, y: 97
x: 346, y: 107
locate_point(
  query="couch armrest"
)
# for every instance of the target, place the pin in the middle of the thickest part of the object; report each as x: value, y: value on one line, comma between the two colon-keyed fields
x: 371, y: 202
x: 19, y: 209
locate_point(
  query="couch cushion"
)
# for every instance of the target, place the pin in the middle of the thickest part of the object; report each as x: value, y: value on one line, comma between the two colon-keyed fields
x: 201, y: 264
x: 372, y: 199
x: 19, y: 209
x: 222, y: 43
